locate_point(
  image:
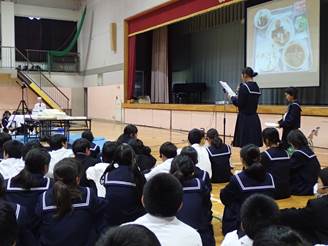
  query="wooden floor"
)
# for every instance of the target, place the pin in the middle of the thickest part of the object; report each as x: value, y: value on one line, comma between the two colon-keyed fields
x: 154, y: 137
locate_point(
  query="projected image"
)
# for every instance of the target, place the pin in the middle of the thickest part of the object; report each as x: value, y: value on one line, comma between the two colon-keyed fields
x: 282, y: 41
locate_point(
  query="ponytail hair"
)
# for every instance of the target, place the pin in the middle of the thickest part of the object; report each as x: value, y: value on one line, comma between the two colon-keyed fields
x: 213, y: 135
x: 183, y: 168
x: 66, y: 187
x: 249, y: 72
x: 250, y: 155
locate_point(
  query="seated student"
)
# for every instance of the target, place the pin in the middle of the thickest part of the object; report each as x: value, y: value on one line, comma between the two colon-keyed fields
x: 8, y: 225
x: 12, y: 163
x: 162, y: 199
x: 68, y: 214
x: 34, y: 144
x: 257, y: 213
x: 277, y: 162
x: 81, y: 150
x: 304, y: 165
x: 129, y: 235
x: 5, y: 119
x: 4, y: 137
x: 59, y: 151
x: 30, y: 183
x: 129, y: 132
x: 94, y: 148
x: 95, y: 172
x: 124, y: 183
x: 312, y: 220
x: 167, y: 152
x: 144, y: 159
x: 253, y: 179
x: 196, y: 209
x: 219, y: 154
x: 278, y: 235
x: 195, y: 138
x: 292, y: 119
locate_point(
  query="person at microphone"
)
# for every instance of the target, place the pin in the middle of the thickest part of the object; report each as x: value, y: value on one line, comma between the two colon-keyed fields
x: 248, y: 125
x: 39, y: 106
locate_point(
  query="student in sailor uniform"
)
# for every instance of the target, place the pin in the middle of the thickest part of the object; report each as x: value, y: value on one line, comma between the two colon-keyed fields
x: 8, y: 225
x: 145, y: 160
x: 196, y: 209
x: 68, y: 214
x: 253, y: 179
x: 167, y: 152
x: 196, y: 138
x: 248, y: 125
x: 59, y: 151
x: 292, y: 119
x: 124, y: 183
x: 129, y: 132
x: 4, y: 137
x: 12, y: 163
x: 219, y: 154
x: 94, y: 148
x: 257, y: 213
x: 304, y: 165
x: 277, y: 162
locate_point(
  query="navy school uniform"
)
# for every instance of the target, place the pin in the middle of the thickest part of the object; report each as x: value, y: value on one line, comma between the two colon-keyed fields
x: 240, y: 187
x: 220, y: 160
x: 121, y: 194
x: 79, y: 227
x: 196, y: 209
x: 291, y: 121
x: 86, y: 162
x: 277, y: 162
x: 145, y: 162
x: 95, y: 150
x: 305, y: 168
x: 204, y: 177
x: 248, y: 125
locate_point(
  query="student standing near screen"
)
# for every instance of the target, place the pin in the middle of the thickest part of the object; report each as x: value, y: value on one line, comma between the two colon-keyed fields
x: 248, y: 125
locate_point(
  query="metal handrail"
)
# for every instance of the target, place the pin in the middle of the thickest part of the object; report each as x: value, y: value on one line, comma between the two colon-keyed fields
x: 46, y: 51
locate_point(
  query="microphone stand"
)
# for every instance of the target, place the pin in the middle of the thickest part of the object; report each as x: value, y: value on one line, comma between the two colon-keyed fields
x: 224, y: 115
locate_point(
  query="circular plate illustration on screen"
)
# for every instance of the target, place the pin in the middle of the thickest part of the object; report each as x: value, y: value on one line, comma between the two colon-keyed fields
x: 262, y: 18
x: 295, y: 55
x: 267, y: 58
x: 281, y: 31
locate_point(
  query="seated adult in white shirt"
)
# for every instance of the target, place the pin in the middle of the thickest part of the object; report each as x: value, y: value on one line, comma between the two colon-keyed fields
x: 196, y: 138
x: 12, y: 163
x: 257, y: 213
x: 96, y: 172
x: 162, y: 199
x: 39, y: 106
x: 59, y: 151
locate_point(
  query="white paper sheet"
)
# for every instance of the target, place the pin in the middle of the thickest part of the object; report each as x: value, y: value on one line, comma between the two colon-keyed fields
x: 228, y: 89
x: 271, y: 124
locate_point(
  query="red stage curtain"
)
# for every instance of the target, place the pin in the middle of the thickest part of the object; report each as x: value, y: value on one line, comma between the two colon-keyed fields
x: 131, y: 66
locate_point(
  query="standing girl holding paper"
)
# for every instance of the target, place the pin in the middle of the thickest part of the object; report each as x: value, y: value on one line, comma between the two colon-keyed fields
x: 248, y: 125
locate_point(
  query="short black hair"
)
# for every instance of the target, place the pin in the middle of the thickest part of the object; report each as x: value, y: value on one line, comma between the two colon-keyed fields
x: 183, y: 168
x: 130, y: 129
x: 8, y: 225
x: 258, y: 212
x: 162, y: 195
x: 278, y: 235
x: 195, y: 136
x: 323, y: 175
x: 4, y: 137
x: 88, y: 135
x: 191, y: 152
x: 297, y: 139
x: 34, y: 144
x: 56, y: 141
x: 129, y: 235
x: 36, y: 159
x: 108, y: 151
x: 270, y: 135
x: 292, y: 91
x: 13, y: 149
x: 168, y: 149
x: 80, y: 145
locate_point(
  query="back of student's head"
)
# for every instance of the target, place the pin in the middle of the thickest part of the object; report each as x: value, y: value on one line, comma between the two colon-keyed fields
x: 213, y: 136
x: 8, y: 225
x: 270, y: 136
x: 88, y: 135
x: 81, y: 145
x: 279, y: 236
x: 34, y: 144
x: 297, y: 139
x: 258, y: 212
x: 130, y: 130
x: 251, y: 156
x: 168, y: 149
x: 162, y: 196
x: 57, y: 141
x: 183, y: 168
x: 13, y: 149
x: 195, y: 136
x: 129, y: 235
x: 191, y: 153
x: 4, y: 137
x: 108, y: 151
x: 66, y: 175
x: 292, y: 91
